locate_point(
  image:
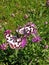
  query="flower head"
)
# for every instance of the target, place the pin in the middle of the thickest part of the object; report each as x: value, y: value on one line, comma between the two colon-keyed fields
x: 7, y: 32
x: 34, y: 31
x: 36, y: 39
x: 24, y: 41
x: 3, y: 46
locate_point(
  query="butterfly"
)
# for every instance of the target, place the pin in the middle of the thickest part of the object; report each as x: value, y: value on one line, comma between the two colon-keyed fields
x: 27, y: 29
x: 15, y: 41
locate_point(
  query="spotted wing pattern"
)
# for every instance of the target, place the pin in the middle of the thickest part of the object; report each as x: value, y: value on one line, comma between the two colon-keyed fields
x: 13, y: 42
x: 25, y: 30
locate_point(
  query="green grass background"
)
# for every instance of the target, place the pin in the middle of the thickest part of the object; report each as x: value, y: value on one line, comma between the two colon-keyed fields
x: 38, y: 12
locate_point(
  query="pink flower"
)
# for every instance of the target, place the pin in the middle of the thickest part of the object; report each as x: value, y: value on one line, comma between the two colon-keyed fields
x: 36, y: 39
x: 3, y: 46
x: 7, y: 32
x: 24, y: 41
x: 34, y: 31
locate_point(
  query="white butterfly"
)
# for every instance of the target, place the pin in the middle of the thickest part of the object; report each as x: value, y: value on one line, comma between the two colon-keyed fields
x: 25, y: 30
x: 14, y: 43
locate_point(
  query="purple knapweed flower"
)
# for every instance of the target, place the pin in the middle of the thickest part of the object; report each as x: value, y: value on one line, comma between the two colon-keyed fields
x: 3, y: 46
x: 34, y: 31
x: 23, y: 43
x: 7, y: 32
x: 36, y: 39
